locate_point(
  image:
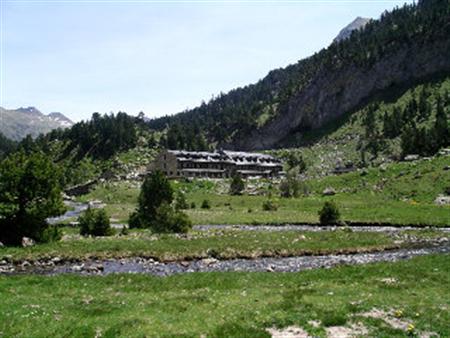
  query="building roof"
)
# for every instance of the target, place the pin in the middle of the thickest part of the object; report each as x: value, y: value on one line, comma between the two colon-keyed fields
x: 223, y: 155
x: 254, y: 172
x: 202, y: 170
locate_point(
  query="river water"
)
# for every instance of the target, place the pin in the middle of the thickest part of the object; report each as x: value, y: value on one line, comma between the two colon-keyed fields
x: 273, y: 264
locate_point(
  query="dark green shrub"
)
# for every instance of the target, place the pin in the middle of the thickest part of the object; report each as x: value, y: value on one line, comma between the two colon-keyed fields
x: 285, y: 189
x: 206, y: 204
x: 125, y: 231
x: 329, y: 214
x: 155, y: 191
x: 170, y: 220
x: 295, y: 160
x: 291, y: 186
x: 135, y: 221
x: 30, y: 192
x: 333, y: 318
x: 270, y: 205
x: 193, y: 206
x: 51, y: 234
x: 95, y: 222
x: 237, y: 185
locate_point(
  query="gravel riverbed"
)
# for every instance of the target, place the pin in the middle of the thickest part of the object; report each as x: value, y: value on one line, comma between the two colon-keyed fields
x: 282, y: 264
x: 315, y: 228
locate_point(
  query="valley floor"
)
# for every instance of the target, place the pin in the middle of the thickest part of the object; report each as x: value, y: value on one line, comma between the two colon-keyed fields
x: 400, y: 193
x: 392, y: 299
x: 403, y: 299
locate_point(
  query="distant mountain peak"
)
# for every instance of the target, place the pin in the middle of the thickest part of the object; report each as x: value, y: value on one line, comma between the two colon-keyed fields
x: 29, y: 110
x: 61, y: 119
x: 18, y: 123
x: 356, y: 24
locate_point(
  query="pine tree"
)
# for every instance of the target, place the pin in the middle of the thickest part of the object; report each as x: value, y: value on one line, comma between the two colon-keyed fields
x: 441, y: 128
x: 155, y: 190
x: 423, y: 105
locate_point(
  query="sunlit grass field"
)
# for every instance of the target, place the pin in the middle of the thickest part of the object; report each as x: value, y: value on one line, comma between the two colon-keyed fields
x: 219, y: 244
x: 230, y: 304
x: 402, y: 193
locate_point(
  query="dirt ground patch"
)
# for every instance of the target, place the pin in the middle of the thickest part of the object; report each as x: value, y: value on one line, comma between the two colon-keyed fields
x: 393, y: 319
x: 288, y: 332
x: 352, y: 331
x: 389, y: 318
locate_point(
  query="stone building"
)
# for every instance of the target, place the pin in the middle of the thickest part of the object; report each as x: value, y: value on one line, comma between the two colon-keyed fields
x: 218, y: 164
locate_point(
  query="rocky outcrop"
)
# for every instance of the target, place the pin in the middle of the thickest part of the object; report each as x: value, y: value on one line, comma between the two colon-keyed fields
x: 442, y: 200
x: 81, y: 189
x: 26, y: 242
x: 331, y: 94
x: 345, y: 33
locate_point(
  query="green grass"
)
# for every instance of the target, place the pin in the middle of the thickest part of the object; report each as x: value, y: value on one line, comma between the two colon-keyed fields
x: 402, y: 193
x: 227, y: 304
x: 418, y: 182
x: 220, y: 244
x: 356, y: 208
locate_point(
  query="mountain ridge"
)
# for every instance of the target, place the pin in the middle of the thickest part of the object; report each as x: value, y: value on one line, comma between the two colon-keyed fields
x: 18, y: 123
x: 356, y: 24
x: 404, y: 46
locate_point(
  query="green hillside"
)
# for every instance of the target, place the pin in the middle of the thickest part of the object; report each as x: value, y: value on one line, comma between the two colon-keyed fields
x: 352, y: 140
x: 403, y: 47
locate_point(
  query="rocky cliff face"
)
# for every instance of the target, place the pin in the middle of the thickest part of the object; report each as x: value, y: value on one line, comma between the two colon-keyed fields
x: 331, y: 94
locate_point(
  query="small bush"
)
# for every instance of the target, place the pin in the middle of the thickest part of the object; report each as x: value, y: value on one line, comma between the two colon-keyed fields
x: 135, y: 221
x: 193, y: 206
x: 329, y: 214
x: 237, y: 185
x: 293, y: 187
x: 206, y: 204
x: 333, y: 318
x: 447, y: 191
x: 125, y: 231
x: 51, y: 234
x: 170, y: 220
x: 95, y: 222
x: 180, y: 201
x: 270, y: 205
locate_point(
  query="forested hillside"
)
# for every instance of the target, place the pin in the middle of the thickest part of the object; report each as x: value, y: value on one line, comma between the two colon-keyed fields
x: 403, y: 47
x: 89, y: 148
x: 318, y: 106
x: 415, y: 121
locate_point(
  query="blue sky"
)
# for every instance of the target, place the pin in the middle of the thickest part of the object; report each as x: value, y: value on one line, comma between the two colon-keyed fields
x: 156, y: 57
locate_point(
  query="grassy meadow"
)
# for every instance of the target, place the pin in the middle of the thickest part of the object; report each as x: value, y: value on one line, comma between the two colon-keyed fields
x: 226, y: 244
x: 412, y: 296
x: 400, y: 193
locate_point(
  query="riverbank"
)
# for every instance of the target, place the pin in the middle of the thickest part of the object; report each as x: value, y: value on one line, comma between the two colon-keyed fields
x: 220, y: 243
x: 150, y: 266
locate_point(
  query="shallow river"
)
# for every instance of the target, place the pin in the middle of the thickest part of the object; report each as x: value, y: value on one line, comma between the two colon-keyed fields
x: 284, y: 264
